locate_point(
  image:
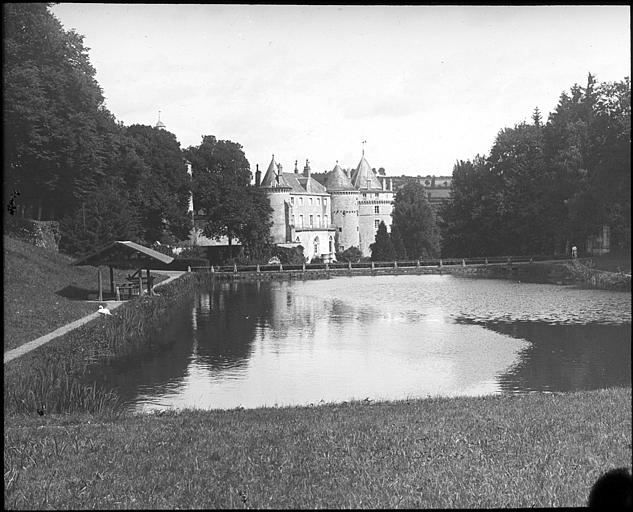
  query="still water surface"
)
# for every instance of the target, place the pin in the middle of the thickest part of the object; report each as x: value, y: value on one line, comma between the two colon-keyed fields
x: 252, y: 344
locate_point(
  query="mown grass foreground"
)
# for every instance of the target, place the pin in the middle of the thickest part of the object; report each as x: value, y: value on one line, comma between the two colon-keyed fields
x: 513, y: 451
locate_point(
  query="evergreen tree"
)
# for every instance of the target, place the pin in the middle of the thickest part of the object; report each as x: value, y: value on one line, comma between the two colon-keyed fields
x: 398, y: 244
x: 415, y: 221
x: 382, y: 248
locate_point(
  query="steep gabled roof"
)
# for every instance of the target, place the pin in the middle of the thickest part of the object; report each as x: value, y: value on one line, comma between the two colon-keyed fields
x: 303, y: 185
x: 364, y: 177
x: 336, y: 179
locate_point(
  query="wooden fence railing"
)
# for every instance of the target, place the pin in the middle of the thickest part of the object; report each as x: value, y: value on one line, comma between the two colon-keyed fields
x: 373, y: 265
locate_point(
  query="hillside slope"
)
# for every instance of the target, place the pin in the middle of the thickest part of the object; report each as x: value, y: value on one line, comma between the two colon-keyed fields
x: 44, y: 291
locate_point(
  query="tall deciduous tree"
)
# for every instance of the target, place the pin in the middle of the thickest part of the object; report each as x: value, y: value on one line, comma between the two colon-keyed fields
x: 382, y: 248
x: 415, y: 220
x: 52, y: 104
x: 222, y: 189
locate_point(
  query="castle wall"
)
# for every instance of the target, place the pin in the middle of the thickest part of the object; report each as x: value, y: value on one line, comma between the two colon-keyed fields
x: 307, y: 239
x: 278, y: 199
x: 345, y: 218
x: 317, y: 205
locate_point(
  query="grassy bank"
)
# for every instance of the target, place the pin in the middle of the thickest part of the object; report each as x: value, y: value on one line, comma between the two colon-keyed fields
x: 44, y: 291
x: 50, y: 376
x: 536, y: 450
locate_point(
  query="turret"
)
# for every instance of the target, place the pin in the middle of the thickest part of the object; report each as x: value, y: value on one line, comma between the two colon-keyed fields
x: 344, y: 204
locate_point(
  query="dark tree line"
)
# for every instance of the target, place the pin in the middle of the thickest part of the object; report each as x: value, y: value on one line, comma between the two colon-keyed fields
x: 547, y: 186
x: 71, y: 161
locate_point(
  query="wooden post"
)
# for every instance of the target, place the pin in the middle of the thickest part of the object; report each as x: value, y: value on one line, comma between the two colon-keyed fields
x: 150, y: 291
x: 140, y: 282
x: 111, y: 280
x: 100, y: 284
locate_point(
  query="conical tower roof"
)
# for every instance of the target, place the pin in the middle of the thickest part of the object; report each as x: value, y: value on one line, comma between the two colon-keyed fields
x: 336, y: 179
x: 273, y: 178
x: 364, y: 176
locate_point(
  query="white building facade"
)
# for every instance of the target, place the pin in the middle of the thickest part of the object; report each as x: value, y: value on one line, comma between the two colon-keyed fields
x: 326, y: 219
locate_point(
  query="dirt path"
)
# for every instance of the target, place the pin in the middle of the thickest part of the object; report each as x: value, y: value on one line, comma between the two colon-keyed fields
x: 111, y: 304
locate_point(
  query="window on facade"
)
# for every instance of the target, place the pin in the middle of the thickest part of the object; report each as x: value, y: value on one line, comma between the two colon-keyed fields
x: 316, y: 245
x: 376, y: 223
x: 301, y: 220
x: 311, y: 221
x: 377, y: 194
x: 326, y: 221
x: 319, y: 221
x: 364, y: 195
x: 331, y: 245
x: 310, y: 201
x: 324, y: 201
x: 293, y: 220
x: 318, y: 200
x: 301, y: 201
x: 376, y: 209
x: 340, y: 229
x: 292, y: 200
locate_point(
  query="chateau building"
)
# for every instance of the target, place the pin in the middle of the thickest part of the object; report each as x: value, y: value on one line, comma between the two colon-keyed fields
x: 325, y: 219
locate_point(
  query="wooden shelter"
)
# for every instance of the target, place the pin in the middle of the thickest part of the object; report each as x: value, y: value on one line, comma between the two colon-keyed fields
x: 126, y: 255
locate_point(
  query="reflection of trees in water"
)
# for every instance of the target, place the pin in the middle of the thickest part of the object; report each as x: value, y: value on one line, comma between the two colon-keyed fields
x: 226, y: 319
x: 568, y: 357
x: 163, y: 362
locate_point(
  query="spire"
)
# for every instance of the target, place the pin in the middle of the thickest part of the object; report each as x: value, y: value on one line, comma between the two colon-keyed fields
x: 160, y: 125
x: 364, y: 176
x: 274, y: 177
x: 336, y: 179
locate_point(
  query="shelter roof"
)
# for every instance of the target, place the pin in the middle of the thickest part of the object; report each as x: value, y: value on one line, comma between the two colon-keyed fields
x: 336, y: 179
x: 125, y: 254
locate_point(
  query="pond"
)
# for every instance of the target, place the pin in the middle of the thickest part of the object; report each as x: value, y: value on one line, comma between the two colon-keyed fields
x: 253, y: 344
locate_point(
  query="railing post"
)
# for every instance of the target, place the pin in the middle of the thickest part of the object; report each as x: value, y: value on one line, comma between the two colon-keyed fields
x: 349, y: 265
x: 417, y: 263
x: 258, y: 268
x: 327, y: 267
x: 212, y: 269
x: 372, y: 265
x: 395, y: 264
x: 304, y: 266
x: 235, y: 268
x: 281, y: 267
x: 441, y: 263
x: 486, y: 261
x: 463, y: 262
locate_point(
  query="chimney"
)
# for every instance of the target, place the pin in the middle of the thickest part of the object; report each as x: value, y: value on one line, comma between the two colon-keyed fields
x: 306, y: 169
x: 296, y: 169
x: 258, y: 176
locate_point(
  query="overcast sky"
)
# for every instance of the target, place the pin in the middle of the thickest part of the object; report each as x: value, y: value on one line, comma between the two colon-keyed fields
x: 423, y: 85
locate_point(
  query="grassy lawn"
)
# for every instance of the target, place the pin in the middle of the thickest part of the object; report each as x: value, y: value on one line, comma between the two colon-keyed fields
x: 613, y: 262
x: 536, y: 450
x: 44, y: 291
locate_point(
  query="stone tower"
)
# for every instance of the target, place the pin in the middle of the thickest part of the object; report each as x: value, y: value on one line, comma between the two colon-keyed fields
x: 344, y: 202
x: 278, y: 192
x: 375, y: 204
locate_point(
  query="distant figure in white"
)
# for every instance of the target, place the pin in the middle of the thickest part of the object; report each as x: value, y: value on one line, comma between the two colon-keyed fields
x: 574, y: 252
x: 104, y: 311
